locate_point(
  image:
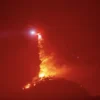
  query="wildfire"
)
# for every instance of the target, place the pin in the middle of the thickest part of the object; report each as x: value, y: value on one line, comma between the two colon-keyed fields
x: 47, y: 66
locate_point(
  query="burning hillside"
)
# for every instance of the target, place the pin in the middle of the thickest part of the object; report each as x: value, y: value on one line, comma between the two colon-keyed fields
x: 48, y: 66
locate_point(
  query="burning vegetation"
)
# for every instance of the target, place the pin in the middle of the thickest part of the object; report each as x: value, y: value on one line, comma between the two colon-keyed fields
x: 48, y: 66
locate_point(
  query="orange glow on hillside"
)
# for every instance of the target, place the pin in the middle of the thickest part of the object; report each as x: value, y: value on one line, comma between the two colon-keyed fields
x: 48, y: 65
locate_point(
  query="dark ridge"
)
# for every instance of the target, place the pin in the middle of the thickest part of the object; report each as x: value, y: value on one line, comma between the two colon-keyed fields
x: 57, y: 89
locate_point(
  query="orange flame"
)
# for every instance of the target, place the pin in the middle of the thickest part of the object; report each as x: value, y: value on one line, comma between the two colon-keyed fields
x: 48, y: 65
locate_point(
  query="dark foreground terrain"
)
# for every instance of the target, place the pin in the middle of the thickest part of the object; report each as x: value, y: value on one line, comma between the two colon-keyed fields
x: 57, y: 89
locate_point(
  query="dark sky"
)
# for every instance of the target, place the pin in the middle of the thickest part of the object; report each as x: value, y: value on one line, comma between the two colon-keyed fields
x: 70, y: 27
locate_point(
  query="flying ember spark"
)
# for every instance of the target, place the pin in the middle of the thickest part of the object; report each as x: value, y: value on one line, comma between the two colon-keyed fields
x: 27, y: 86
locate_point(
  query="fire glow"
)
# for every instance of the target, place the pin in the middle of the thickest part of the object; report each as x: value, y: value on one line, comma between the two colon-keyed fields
x: 48, y: 66
x: 27, y: 86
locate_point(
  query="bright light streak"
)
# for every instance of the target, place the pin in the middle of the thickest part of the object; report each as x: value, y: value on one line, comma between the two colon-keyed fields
x: 32, y: 32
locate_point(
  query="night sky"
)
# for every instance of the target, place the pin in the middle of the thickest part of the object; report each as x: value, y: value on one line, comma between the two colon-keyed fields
x: 70, y: 28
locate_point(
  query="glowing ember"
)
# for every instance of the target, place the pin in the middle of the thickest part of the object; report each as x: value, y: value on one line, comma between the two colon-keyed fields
x: 34, y: 84
x: 27, y: 86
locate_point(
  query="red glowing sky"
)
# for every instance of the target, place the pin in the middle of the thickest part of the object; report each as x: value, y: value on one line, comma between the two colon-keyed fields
x: 70, y: 29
